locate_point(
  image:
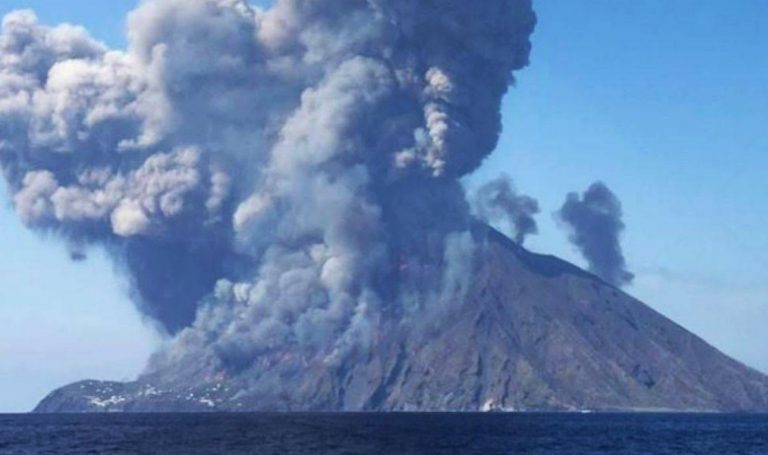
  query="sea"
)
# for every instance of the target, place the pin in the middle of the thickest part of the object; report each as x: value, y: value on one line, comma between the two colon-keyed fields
x: 489, y: 433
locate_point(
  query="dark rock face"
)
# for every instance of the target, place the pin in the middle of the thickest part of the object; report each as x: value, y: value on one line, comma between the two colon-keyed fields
x: 533, y: 333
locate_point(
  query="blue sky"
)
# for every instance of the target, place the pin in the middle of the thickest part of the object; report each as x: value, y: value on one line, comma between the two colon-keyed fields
x: 667, y: 102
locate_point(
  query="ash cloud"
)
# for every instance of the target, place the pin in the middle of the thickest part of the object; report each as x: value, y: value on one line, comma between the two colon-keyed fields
x: 595, y: 223
x: 272, y: 181
x: 497, y: 200
x: 77, y: 255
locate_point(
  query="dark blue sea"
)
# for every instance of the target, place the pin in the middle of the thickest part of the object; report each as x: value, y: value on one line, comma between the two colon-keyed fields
x: 384, y: 434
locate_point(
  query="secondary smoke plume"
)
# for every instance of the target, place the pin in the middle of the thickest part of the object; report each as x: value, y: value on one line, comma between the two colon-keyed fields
x: 497, y: 200
x: 595, y: 222
x: 272, y: 181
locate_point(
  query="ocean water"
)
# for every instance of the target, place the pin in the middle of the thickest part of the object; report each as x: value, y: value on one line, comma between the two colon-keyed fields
x: 384, y: 434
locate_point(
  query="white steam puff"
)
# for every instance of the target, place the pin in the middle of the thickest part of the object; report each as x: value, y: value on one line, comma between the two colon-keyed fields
x: 271, y: 180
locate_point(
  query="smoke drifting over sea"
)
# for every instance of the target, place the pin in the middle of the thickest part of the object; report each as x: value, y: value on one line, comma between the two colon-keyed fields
x: 497, y: 200
x: 272, y: 181
x: 595, y: 223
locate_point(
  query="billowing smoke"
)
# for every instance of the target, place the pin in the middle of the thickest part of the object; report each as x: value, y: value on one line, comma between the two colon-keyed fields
x: 272, y: 181
x: 595, y: 223
x: 497, y: 200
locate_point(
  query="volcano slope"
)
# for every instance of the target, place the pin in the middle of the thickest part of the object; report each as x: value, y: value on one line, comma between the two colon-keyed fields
x: 532, y: 333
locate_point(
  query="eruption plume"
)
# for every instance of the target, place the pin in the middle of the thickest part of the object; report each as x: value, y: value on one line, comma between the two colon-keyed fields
x: 274, y: 182
x: 497, y: 200
x: 594, y: 220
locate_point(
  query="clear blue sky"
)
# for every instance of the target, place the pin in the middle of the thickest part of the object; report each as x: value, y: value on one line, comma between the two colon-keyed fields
x: 665, y: 101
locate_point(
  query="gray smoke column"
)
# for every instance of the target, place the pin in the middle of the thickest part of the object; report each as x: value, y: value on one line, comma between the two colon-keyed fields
x: 595, y: 222
x: 272, y: 181
x: 497, y: 200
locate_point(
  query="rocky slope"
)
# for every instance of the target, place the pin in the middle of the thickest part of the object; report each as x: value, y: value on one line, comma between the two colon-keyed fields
x: 533, y: 333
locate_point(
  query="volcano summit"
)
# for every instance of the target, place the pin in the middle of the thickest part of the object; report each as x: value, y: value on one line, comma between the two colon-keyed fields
x: 533, y: 333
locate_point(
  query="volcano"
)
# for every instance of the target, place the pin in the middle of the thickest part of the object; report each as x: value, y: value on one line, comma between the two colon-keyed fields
x: 532, y: 333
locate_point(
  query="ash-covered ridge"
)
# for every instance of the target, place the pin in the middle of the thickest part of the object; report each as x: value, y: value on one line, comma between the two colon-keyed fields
x: 533, y: 333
